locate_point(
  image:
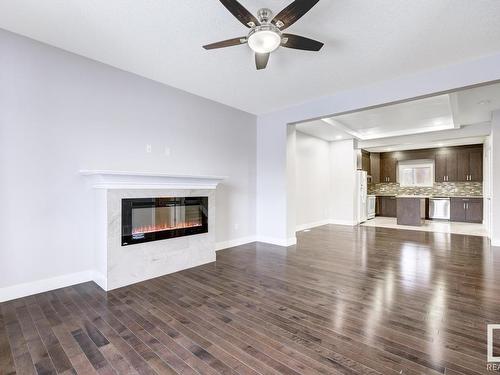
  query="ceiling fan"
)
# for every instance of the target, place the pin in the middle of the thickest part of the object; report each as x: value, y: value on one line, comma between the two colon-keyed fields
x: 266, y: 34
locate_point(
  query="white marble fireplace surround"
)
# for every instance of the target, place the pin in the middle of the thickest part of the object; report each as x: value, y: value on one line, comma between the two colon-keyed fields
x: 117, y: 265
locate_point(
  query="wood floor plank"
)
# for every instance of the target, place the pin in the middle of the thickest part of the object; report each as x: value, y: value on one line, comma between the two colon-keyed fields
x: 168, y: 336
x: 150, y: 362
x: 22, y: 358
x: 7, y: 365
x: 248, y: 354
x: 119, y: 353
x: 344, y: 300
x: 44, y: 318
x: 41, y: 359
x: 303, y: 366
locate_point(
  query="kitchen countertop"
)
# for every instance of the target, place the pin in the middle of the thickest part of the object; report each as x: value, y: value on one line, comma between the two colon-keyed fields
x: 413, y: 196
x: 427, y: 196
x: 457, y: 196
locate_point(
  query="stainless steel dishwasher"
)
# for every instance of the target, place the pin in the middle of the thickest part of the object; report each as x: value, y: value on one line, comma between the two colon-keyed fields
x: 439, y: 208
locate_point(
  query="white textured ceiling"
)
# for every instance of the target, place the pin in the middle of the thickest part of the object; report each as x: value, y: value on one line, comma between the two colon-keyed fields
x: 365, y: 41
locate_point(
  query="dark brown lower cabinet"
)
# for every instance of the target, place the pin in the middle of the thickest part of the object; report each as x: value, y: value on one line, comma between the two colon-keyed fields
x: 468, y: 210
x: 387, y: 206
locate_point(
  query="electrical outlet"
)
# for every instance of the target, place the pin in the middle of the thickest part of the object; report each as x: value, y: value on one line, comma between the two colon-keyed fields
x: 149, y: 149
x: 167, y: 151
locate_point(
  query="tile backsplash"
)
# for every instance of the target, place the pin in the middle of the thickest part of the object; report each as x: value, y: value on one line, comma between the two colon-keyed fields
x: 439, y: 188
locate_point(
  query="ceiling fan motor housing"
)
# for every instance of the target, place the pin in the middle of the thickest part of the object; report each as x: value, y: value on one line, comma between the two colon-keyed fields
x: 265, y: 15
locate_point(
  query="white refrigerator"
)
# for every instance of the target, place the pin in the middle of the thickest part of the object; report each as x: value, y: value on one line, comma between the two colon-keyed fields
x: 361, y: 196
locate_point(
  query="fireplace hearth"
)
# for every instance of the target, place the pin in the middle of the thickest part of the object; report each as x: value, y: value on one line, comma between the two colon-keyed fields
x: 153, y: 219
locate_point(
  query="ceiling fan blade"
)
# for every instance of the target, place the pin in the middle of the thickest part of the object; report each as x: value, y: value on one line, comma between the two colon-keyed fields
x: 226, y: 43
x: 240, y: 12
x: 300, y: 42
x: 292, y: 13
x: 261, y: 60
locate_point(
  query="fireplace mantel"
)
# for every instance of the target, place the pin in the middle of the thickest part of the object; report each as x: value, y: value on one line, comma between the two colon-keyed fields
x: 109, y: 179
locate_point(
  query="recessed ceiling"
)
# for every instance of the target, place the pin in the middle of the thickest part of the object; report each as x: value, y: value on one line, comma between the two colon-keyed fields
x: 475, y: 105
x: 423, y: 116
x: 429, y: 144
x: 321, y: 129
x: 365, y: 42
x: 417, y: 116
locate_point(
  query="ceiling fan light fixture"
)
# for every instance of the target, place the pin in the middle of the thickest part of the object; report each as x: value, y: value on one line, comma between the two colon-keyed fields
x: 266, y: 30
x: 264, y: 40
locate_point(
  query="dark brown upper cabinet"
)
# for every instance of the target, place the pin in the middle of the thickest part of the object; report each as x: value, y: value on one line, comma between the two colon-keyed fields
x: 388, y: 164
x: 426, y: 153
x: 452, y: 164
x: 375, y: 167
x: 446, y: 165
x: 365, y: 161
x: 470, y: 164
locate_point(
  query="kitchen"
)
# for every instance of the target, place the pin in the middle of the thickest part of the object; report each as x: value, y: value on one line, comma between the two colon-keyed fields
x: 424, y: 188
x: 423, y: 164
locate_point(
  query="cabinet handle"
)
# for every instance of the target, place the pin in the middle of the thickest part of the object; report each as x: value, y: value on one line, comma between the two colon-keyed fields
x: 464, y: 206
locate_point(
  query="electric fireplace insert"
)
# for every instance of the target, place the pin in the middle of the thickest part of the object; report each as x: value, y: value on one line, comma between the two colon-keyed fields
x: 153, y: 219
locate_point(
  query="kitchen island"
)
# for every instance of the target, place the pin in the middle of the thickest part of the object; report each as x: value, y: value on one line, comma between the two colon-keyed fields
x: 411, y: 209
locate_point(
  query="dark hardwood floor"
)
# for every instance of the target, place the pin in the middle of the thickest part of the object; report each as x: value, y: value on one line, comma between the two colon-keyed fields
x: 343, y: 301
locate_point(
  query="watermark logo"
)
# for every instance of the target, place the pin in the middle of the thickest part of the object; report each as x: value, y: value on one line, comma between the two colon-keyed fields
x: 493, y: 361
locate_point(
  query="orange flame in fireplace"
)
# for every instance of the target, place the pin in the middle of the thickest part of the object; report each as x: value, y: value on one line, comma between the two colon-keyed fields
x: 162, y: 227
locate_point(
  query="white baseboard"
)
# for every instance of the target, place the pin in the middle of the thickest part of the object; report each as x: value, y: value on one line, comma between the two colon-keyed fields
x: 26, y: 289
x: 278, y: 241
x: 232, y: 243
x: 312, y: 225
x: 342, y: 222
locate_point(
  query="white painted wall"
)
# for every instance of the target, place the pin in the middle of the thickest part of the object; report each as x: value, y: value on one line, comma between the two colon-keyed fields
x: 495, y: 178
x: 312, y: 189
x: 291, y: 173
x: 60, y: 113
x: 272, y: 182
x: 343, y: 181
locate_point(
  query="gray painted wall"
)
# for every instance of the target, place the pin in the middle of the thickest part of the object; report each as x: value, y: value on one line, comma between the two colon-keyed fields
x: 60, y: 113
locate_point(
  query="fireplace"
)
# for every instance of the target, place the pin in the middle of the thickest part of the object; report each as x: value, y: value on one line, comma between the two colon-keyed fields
x: 153, y: 219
